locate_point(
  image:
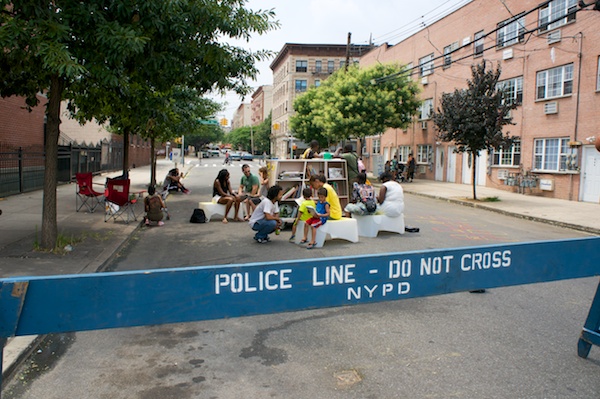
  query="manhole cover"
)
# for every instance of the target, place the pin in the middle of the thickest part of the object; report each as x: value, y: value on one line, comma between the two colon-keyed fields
x: 346, y: 378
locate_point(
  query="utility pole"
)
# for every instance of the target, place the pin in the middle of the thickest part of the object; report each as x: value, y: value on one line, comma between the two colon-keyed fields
x: 347, y: 52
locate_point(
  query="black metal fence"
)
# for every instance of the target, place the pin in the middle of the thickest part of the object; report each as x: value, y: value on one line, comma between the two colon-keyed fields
x: 22, y: 169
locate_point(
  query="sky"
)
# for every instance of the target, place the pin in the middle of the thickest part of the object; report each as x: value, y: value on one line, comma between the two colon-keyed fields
x: 330, y: 21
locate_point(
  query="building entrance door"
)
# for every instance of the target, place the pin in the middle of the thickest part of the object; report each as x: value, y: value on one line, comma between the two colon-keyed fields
x: 590, y: 175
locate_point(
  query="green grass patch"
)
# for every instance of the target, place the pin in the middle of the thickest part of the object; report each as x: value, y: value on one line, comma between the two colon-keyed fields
x: 491, y: 199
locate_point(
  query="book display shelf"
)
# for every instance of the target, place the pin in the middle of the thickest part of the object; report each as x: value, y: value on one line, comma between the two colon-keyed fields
x: 293, y: 175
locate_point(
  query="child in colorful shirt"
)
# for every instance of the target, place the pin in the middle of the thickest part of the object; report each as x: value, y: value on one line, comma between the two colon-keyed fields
x: 303, y: 213
x: 318, y: 219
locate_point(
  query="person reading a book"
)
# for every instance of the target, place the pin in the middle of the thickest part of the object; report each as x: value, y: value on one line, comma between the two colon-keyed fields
x: 248, y: 191
x: 223, y: 194
x: 319, y: 215
x: 319, y: 181
x: 362, y: 200
x: 303, y: 214
x: 265, y: 218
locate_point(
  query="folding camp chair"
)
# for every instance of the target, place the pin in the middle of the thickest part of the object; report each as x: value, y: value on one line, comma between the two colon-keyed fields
x: 85, y: 194
x: 118, y: 204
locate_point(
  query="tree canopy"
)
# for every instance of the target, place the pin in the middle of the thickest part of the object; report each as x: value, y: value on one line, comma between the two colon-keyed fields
x: 474, y: 118
x: 111, y: 58
x: 242, y: 138
x: 356, y: 103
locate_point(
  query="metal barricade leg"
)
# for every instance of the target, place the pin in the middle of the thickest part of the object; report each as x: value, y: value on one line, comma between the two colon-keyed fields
x: 590, y: 335
x: 2, y: 343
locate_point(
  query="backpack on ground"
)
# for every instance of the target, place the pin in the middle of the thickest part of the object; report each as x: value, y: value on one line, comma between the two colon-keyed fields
x: 198, y: 216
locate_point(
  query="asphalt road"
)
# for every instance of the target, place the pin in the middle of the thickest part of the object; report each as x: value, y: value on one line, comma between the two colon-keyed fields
x: 514, y: 342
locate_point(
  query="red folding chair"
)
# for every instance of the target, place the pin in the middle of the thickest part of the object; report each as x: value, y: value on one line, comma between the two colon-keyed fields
x: 85, y: 194
x: 118, y: 204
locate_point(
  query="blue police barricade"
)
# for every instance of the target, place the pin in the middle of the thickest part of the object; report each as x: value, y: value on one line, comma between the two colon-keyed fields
x: 56, y: 304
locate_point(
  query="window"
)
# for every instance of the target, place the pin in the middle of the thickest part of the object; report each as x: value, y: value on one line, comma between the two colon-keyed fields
x: 508, y: 157
x: 300, y: 85
x: 510, y: 32
x: 513, y: 90
x: 318, y: 66
x: 424, y: 154
x: 557, y: 13
x: 342, y: 64
x: 376, y: 145
x: 552, y: 154
x: 448, y: 54
x: 478, y: 42
x: 330, y: 66
x: 403, y: 152
x: 555, y: 82
x: 426, y: 109
x: 317, y: 82
x: 426, y: 65
x: 301, y: 66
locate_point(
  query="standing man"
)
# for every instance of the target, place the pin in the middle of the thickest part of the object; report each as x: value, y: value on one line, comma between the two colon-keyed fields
x: 265, y: 218
x: 411, y: 165
x: 335, y: 208
x: 248, y: 190
x: 351, y: 162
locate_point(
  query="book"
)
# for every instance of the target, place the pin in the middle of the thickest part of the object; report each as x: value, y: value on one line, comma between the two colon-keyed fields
x: 289, y: 193
x: 336, y: 173
x: 312, y: 211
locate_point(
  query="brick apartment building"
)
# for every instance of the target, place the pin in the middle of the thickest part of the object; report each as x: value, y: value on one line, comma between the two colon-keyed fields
x: 296, y: 68
x: 261, y: 104
x: 549, y: 53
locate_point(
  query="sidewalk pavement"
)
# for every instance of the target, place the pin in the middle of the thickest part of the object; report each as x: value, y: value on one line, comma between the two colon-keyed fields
x: 22, y: 214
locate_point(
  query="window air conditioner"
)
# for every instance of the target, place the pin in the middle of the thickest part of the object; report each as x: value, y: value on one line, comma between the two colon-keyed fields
x: 551, y: 108
x: 507, y: 54
x: 424, y: 81
x: 424, y: 125
x: 502, y: 174
x: 553, y: 37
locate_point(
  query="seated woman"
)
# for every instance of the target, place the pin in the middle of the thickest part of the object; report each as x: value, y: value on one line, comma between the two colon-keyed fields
x: 391, y: 196
x: 173, y: 181
x: 154, y: 205
x: 362, y: 200
x: 223, y: 194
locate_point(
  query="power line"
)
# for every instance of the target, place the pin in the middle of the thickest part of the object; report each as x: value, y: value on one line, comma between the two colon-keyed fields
x: 443, y: 56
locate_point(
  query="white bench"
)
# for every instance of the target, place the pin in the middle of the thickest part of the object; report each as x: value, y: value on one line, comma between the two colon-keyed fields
x: 370, y: 225
x: 212, y: 208
x: 344, y: 228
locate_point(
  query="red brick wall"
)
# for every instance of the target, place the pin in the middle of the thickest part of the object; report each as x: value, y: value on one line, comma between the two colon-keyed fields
x: 18, y: 126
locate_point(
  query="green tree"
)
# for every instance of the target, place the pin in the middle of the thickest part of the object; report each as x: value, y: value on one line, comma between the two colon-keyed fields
x: 103, y: 56
x: 356, y: 103
x: 474, y: 118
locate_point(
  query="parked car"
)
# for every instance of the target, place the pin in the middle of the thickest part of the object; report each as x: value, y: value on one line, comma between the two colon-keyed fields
x: 236, y: 156
x: 214, y: 153
x: 246, y: 156
x: 205, y: 153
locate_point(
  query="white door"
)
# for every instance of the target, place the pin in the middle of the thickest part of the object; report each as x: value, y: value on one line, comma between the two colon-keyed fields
x: 590, y: 191
x: 439, y: 164
x: 451, y: 165
x: 467, y: 162
x: 482, y: 163
x: 386, y: 153
x: 480, y: 172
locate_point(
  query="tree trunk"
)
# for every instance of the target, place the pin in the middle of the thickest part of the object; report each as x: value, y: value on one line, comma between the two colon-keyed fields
x: 153, y: 162
x: 126, y: 153
x: 473, y: 174
x: 49, y: 222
